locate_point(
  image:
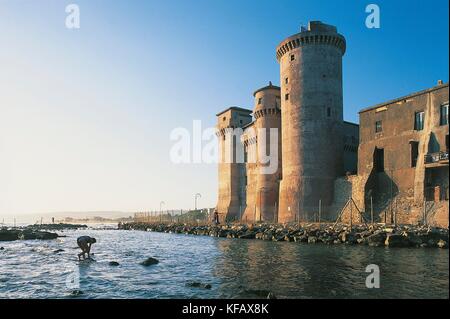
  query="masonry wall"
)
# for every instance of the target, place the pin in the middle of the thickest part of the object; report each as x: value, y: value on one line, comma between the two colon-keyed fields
x: 399, y: 190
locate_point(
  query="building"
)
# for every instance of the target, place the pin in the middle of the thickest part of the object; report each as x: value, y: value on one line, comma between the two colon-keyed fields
x: 403, y: 157
x: 394, y: 164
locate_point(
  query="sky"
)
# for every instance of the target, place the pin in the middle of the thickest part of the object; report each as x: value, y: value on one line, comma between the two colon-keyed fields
x: 86, y: 114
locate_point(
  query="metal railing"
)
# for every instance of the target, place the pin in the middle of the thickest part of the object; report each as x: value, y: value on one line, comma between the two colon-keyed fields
x: 436, y: 157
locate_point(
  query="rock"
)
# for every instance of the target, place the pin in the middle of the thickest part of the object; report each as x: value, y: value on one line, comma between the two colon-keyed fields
x: 396, y: 240
x: 76, y: 293
x: 149, y: 261
x: 248, y: 235
x: 2, y: 248
x: 114, y: 263
x: 377, y: 239
x: 271, y: 296
x: 442, y: 244
x: 196, y: 284
x: 58, y: 251
x: 312, y: 240
x: 8, y: 235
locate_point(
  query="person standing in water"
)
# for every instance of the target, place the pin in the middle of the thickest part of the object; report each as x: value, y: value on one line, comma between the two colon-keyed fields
x: 85, y: 243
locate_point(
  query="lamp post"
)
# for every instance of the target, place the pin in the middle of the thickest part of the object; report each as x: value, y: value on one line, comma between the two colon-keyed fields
x: 195, y: 198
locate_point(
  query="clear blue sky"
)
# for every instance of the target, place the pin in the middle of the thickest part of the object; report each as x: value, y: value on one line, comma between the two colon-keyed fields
x: 85, y: 115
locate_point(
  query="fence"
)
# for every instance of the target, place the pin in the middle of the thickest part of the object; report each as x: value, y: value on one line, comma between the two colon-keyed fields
x: 201, y: 216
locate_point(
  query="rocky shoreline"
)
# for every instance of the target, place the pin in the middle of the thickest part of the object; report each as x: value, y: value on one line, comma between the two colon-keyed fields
x: 372, y: 235
x: 32, y: 232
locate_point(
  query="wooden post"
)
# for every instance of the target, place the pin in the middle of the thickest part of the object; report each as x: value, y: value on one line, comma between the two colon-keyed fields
x: 320, y: 211
x: 424, y: 212
x: 395, y: 212
x: 371, y: 209
x: 351, y: 214
x: 275, y: 213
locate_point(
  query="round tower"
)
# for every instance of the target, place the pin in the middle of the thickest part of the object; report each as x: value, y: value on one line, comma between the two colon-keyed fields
x: 267, y: 114
x: 312, y: 119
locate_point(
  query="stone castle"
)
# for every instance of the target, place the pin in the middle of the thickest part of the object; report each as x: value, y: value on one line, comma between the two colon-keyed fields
x: 393, y: 166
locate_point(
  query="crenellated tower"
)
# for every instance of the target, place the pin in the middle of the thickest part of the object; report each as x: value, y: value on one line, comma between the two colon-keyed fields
x: 312, y: 119
x: 232, y: 172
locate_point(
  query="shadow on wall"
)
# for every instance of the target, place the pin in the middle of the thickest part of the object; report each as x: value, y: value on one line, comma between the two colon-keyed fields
x: 433, y: 144
x: 380, y: 189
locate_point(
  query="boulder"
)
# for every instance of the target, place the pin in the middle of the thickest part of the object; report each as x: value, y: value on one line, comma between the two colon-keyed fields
x: 114, y: 263
x: 312, y: 240
x: 259, y: 235
x: 442, y: 244
x: 58, y: 251
x: 377, y: 239
x: 247, y: 235
x: 195, y: 284
x: 396, y: 240
x: 271, y: 296
x: 149, y: 261
x: 8, y: 235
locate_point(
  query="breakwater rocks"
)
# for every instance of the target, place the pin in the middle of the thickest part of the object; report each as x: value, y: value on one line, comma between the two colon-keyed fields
x: 25, y: 234
x: 371, y: 235
x: 55, y: 227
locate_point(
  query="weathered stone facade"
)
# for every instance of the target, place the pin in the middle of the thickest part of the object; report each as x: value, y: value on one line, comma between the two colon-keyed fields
x: 403, y: 157
x: 393, y: 166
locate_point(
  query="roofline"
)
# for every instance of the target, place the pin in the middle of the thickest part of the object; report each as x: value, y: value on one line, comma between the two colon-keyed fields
x: 248, y: 125
x: 235, y: 108
x: 267, y: 87
x: 351, y: 123
x: 434, y: 88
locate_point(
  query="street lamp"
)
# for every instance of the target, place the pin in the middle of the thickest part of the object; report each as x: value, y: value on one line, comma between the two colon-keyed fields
x: 196, y: 196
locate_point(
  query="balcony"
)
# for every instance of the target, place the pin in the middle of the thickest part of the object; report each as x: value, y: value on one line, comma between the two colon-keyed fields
x: 436, y: 159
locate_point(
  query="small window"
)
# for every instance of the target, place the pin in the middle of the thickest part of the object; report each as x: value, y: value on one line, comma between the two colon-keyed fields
x: 419, y: 121
x: 328, y: 111
x: 292, y: 57
x: 260, y: 100
x: 224, y: 118
x: 444, y: 115
x: 378, y: 127
x: 286, y: 80
x: 286, y: 97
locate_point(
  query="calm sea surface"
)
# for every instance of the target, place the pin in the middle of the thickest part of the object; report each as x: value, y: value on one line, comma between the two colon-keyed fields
x: 235, y: 268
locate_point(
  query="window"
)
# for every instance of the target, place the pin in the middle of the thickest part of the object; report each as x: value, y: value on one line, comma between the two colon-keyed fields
x: 328, y: 111
x: 286, y: 97
x: 378, y: 127
x: 224, y: 118
x: 286, y: 80
x: 414, y: 153
x: 418, y: 121
x: 260, y: 100
x: 378, y: 160
x: 444, y: 115
x: 292, y: 57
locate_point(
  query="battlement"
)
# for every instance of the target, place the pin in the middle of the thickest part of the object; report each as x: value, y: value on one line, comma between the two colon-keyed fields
x: 317, y: 33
